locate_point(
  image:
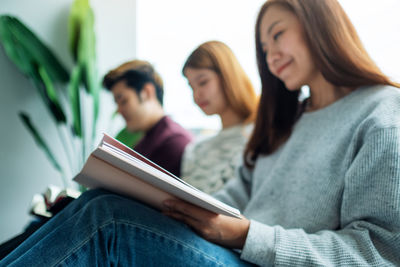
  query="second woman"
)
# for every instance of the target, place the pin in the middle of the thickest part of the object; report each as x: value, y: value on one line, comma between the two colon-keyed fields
x: 220, y: 86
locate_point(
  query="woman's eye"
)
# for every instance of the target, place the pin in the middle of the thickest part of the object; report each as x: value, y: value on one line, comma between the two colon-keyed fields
x: 202, y: 83
x: 276, y: 36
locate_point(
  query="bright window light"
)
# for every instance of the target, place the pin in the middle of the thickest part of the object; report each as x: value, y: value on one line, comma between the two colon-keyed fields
x: 167, y: 31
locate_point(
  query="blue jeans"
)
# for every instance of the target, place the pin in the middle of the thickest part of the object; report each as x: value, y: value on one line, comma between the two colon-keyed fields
x: 103, y: 229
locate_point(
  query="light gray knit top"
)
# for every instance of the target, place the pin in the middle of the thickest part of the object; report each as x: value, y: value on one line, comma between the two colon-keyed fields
x: 209, y: 163
x: 330, y: 196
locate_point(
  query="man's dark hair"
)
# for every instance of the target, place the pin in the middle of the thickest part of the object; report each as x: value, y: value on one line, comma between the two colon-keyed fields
x: 136, y: 79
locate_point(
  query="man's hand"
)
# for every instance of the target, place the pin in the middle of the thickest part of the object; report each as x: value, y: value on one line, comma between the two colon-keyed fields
x: 220, y: 229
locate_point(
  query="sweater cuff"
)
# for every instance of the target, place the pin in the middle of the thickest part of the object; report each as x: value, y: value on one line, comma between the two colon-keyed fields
x: 259, y: 247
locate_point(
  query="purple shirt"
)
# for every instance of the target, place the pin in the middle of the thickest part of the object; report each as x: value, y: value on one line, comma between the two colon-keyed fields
x: 164, y: 144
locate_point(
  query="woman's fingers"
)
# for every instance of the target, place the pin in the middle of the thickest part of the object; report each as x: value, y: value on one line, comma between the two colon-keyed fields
x: 183, y: 218
x: 220, y: 229
x: 201, y: 220
x: 189, y: 210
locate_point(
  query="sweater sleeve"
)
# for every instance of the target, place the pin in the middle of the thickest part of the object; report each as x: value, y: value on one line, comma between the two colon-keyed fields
x: 369, y: 232
x: 236, y: 192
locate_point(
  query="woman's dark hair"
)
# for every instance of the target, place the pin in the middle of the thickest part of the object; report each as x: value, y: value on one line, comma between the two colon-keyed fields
x: 337, y: 52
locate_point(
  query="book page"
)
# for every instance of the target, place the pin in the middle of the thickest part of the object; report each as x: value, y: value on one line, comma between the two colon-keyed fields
x: 120, y: 182
x: 115, y: 143
x: 127, y: 152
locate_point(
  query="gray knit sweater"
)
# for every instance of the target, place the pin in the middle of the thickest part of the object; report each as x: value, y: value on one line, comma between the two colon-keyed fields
x: 330, y: 196
x: 211, y: 162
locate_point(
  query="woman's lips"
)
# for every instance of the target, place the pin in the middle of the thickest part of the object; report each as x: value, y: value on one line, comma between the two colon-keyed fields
x: 281, y: 68
x: 203, y: 104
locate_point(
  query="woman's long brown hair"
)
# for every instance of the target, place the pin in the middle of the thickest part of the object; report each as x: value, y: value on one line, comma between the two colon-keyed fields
x: 337, y: 52
x: 235, y: 83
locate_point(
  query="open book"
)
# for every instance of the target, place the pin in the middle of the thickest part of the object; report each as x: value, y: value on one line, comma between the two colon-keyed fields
x: 116, y: 167
x: 52, y: 201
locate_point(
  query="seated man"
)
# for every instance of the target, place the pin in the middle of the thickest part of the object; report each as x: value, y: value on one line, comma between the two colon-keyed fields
x: 138, y: 92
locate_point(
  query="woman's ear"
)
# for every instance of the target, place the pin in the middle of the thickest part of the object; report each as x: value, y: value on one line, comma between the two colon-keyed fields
x: 148, y: 92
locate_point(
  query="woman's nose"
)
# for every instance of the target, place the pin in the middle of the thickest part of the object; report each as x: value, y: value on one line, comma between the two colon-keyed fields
x: 272, y: 55
x: 196, y: 94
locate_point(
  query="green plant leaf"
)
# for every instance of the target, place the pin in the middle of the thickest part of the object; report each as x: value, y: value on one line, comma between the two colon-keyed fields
x: 16, y: 36
x: 49, y: 94
x: 94, y: 87
x: 34, y: 60
x: 12, y: 47
x: 39, y: 140
x: 50, y: 90
x: 76, y: 17
x: 128, y: 138
x: 87, y: 50
x: 82, y: 43
x: 74, y: 98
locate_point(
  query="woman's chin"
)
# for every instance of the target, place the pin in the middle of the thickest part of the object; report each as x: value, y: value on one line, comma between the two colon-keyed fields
x: 207, y: 112
x: 292, y: 86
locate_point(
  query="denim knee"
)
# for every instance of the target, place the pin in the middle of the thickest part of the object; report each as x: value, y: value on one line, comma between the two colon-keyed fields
x: 103, y: 205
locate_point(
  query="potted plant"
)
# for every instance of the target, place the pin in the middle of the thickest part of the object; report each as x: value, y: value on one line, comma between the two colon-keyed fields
x: 66, y: 93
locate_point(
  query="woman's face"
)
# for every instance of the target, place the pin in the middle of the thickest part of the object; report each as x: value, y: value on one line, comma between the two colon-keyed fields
x: 207, y: 90
x: 287, y: 54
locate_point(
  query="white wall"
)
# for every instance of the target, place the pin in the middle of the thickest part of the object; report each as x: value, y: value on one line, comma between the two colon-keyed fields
x: 168, y: 33
x: 24, y: 169
x: 378, y: 24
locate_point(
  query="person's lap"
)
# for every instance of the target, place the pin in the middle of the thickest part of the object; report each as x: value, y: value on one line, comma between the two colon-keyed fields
x: 100, y: 227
